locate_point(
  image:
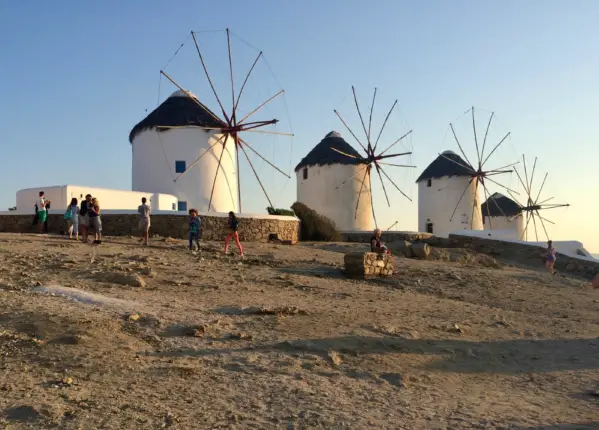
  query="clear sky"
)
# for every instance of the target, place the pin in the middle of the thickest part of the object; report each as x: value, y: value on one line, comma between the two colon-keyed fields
x: 76, y: 77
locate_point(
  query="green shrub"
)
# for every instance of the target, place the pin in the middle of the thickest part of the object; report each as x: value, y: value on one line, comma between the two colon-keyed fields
x: 315, y: 226
x: 284, y: 212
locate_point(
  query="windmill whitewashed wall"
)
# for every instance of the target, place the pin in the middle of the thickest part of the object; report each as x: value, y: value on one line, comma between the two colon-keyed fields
x: 160, y: 156
x: 503, y: 215
x: 320, y: 173
x: 439, y: 189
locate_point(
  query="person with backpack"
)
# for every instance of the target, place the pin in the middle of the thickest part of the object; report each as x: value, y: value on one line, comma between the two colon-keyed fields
x: 71, y: 216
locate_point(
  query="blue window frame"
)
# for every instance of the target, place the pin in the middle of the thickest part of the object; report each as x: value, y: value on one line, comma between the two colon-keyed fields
x: 179, y: 166
x: 182, y: 206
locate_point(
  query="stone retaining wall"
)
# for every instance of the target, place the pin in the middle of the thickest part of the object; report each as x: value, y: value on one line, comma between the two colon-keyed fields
x: 388, y: 236
x: 513, y: 251
x: 214, y: 227
x: 519, y: 252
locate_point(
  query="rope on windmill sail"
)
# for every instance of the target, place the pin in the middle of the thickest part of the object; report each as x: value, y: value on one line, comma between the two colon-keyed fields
x: 165, y: 157
x: 265, y: 60
x: 288, y: 118
x: 176, y: 52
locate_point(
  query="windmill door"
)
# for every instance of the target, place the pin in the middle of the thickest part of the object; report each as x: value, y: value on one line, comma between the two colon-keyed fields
x: 429, y: 227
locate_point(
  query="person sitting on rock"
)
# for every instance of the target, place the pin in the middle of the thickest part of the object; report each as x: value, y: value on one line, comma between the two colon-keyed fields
x: 376, y: 245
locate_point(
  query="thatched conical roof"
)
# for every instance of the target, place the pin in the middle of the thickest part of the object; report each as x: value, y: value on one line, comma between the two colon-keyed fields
x: 441, y: 166
x: 322, y: 154
x: 499, y: 205
x: 177, y: 110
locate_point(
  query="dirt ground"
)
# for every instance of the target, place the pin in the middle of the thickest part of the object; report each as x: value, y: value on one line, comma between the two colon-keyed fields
x: 158, y: 337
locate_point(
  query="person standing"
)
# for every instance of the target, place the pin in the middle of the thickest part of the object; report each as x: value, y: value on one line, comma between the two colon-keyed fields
x: 144, y: 211
x: 95, y: 221
x: 42, y: 213
x: 46, y: 220
x: 84, y: 217
x: 550, y: 257
x: 194, y: 228
x: 233, y: 224
x: 72, y: 218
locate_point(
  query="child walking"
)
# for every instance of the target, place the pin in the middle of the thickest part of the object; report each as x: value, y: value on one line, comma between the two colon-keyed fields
x: 233, y: 224
x: 194, y: 229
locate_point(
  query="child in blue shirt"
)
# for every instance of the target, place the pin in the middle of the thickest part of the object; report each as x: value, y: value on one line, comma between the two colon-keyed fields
x: 194, y: 228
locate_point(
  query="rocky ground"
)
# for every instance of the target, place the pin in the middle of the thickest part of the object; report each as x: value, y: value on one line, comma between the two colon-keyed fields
x: 157, y: 337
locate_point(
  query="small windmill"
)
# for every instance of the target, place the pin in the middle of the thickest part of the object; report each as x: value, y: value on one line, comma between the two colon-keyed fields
x: 372, y: 158
x: 533, y: 206
x: 480, y: 174
x: 230, y: 126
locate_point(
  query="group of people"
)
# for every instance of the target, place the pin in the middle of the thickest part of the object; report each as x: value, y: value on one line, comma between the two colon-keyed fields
x: 85, y: 218
x: 195, y: 224
x: 232, y: 224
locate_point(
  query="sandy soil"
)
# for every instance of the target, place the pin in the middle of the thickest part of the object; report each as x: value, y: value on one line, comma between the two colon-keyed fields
x: 283, y: 340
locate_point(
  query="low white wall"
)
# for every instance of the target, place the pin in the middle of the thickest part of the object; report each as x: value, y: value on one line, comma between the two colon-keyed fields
x: 162, y: 212
x: 61, y: 195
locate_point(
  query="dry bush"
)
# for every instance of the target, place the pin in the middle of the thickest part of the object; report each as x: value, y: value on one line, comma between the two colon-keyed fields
x: 315, y: 226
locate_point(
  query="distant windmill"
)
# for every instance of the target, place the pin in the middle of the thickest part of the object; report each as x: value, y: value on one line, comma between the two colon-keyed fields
x: 534, y: 205
x: 478, y: 172
x: 372, y: 158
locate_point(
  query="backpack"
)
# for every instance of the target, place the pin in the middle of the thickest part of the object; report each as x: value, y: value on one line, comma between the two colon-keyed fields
x: 68, y: 214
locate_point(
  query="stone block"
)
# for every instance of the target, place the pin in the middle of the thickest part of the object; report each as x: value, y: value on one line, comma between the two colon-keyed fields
x: 368, y: 264
x: 421, y: 250
x: 401, y: 248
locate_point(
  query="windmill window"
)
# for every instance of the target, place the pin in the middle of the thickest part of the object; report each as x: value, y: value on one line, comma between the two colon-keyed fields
x: 179, y: 166
x: 182, y: 206
x: 174, y: 206
x: 305, y: 173
x: 429, y: 182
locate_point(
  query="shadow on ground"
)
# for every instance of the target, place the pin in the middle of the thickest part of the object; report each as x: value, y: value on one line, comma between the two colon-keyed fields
x: 584, y: 426
x: 458, y: 356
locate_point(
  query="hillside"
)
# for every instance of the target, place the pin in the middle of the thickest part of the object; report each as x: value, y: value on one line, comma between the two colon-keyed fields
x: 159, y: 338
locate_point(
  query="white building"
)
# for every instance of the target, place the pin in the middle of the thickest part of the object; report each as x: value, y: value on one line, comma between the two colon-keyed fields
x: 60, y: 197
x: 323, y: 170
x: 161, y: 155
x: 443, y: 184
x: 502, y: 214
